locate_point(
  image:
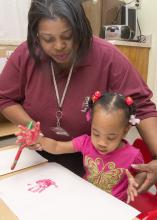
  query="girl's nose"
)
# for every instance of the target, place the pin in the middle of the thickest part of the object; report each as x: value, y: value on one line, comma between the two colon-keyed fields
x: 102, y: 142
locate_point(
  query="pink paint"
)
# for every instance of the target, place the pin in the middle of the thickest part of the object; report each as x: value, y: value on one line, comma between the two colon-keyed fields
x: 41, y: 185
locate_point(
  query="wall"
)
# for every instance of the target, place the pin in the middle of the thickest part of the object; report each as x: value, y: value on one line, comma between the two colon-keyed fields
x: 13, y: 20
x: 148, y: 17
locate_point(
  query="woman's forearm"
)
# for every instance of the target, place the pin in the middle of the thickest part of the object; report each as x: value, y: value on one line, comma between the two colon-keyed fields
x: 148, y: 131
x: 16, y: 114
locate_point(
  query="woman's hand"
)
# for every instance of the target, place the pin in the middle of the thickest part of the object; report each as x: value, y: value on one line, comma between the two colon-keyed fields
x: 151, y: 174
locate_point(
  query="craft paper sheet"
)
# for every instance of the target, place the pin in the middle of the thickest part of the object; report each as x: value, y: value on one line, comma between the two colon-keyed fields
x: 51, y: 191
x: 27, y: 158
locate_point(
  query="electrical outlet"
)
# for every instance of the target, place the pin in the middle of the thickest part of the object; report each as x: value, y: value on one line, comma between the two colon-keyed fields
x: 138, y: 3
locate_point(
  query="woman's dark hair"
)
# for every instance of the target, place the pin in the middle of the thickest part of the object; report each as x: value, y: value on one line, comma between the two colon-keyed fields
x: 112, y: 102
x: 71, y: 10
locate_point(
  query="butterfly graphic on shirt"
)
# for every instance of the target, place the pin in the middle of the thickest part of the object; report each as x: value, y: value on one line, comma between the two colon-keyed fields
x: 103, y: 175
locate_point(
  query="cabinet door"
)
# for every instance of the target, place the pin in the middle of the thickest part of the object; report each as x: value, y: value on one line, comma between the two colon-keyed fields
x: 93, y: 11
x: 139, y: 57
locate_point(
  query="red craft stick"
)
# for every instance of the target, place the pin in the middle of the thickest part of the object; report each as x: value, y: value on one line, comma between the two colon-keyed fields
x: 20, y: 149
x: 17, y: 156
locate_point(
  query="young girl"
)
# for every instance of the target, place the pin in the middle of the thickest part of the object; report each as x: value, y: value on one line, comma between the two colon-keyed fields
x: 106, y: 154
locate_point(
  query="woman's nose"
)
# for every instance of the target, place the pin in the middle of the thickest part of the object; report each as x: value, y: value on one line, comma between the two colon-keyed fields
x: 59, y: 45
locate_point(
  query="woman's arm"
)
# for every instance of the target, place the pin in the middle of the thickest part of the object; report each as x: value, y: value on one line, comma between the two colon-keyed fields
x: 148, y: 131
x: 16, y: 114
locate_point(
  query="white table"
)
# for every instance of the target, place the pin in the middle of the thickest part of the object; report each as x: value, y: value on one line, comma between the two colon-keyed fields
x: 72, y: 199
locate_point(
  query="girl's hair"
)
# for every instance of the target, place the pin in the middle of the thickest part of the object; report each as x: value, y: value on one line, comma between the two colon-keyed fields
x: 71, y: 10
x: 112, y: 102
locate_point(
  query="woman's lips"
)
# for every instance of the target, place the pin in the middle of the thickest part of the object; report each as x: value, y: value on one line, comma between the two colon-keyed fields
x: 61, y: 56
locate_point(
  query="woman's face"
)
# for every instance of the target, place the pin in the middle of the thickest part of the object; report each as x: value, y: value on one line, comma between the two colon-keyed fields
x: 56, y: 39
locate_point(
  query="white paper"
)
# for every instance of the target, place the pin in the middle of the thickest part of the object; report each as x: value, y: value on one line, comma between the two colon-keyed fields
x: 27, y: 158
x: 71, y: 198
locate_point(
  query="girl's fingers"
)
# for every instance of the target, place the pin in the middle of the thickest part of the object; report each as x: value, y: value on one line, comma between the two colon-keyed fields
x: 22, y: 127
x: 37, y: 147
x: 131, y: 179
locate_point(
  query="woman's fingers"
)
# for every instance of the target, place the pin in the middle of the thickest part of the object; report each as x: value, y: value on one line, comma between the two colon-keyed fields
x: 151, y: 174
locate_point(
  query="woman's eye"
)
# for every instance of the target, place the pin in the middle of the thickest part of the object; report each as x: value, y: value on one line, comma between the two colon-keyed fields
x: 50, y: 40
x: 67, y: 37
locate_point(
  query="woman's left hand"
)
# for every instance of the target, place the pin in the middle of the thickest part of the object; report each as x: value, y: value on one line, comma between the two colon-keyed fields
x: 151, y: 174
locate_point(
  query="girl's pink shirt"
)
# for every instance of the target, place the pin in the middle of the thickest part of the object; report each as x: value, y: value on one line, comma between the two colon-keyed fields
x: 108, y: 171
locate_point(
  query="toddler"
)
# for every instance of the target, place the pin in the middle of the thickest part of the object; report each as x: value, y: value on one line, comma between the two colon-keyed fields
x: 107, y: 156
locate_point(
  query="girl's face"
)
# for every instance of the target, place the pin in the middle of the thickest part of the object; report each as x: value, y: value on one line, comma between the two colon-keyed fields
x: 108, y: 129
x: 56, y: 39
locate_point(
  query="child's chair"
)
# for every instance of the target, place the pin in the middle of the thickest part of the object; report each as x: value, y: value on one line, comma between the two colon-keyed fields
x: 146, y: 201
x: 151, y: 215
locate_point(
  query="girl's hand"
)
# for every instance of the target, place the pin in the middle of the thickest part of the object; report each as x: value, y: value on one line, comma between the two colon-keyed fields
x: 132, y: 187
x: 29, y: 137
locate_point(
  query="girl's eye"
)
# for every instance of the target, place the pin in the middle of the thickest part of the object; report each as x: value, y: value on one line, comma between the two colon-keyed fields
x: 96, y: 135
x: 111, y: 138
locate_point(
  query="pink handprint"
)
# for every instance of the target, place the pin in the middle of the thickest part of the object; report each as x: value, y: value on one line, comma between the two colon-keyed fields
x: 41, y: 185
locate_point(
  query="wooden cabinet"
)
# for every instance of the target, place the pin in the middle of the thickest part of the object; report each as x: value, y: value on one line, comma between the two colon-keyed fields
x: 93, y: 11
x: 101, y: 12
x: 138, y: 56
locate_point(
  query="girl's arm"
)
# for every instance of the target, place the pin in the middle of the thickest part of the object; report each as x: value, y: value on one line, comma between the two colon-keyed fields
x: 34, y: 140
x: 55, y: 147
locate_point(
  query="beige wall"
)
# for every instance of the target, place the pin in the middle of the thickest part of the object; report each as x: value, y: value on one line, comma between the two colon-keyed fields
x: 13, y: 19
x: 148, y: 21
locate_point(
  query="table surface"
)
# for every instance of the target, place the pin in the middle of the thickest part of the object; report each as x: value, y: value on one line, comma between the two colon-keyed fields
x: 83, y: 187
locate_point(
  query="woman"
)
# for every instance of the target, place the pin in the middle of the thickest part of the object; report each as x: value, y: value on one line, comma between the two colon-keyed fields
x: 48, y: 76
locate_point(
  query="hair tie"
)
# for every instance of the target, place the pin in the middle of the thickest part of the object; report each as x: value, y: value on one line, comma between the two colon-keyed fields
x: 133, y: 120
x: 129, y: 101
x: 96, y: 96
